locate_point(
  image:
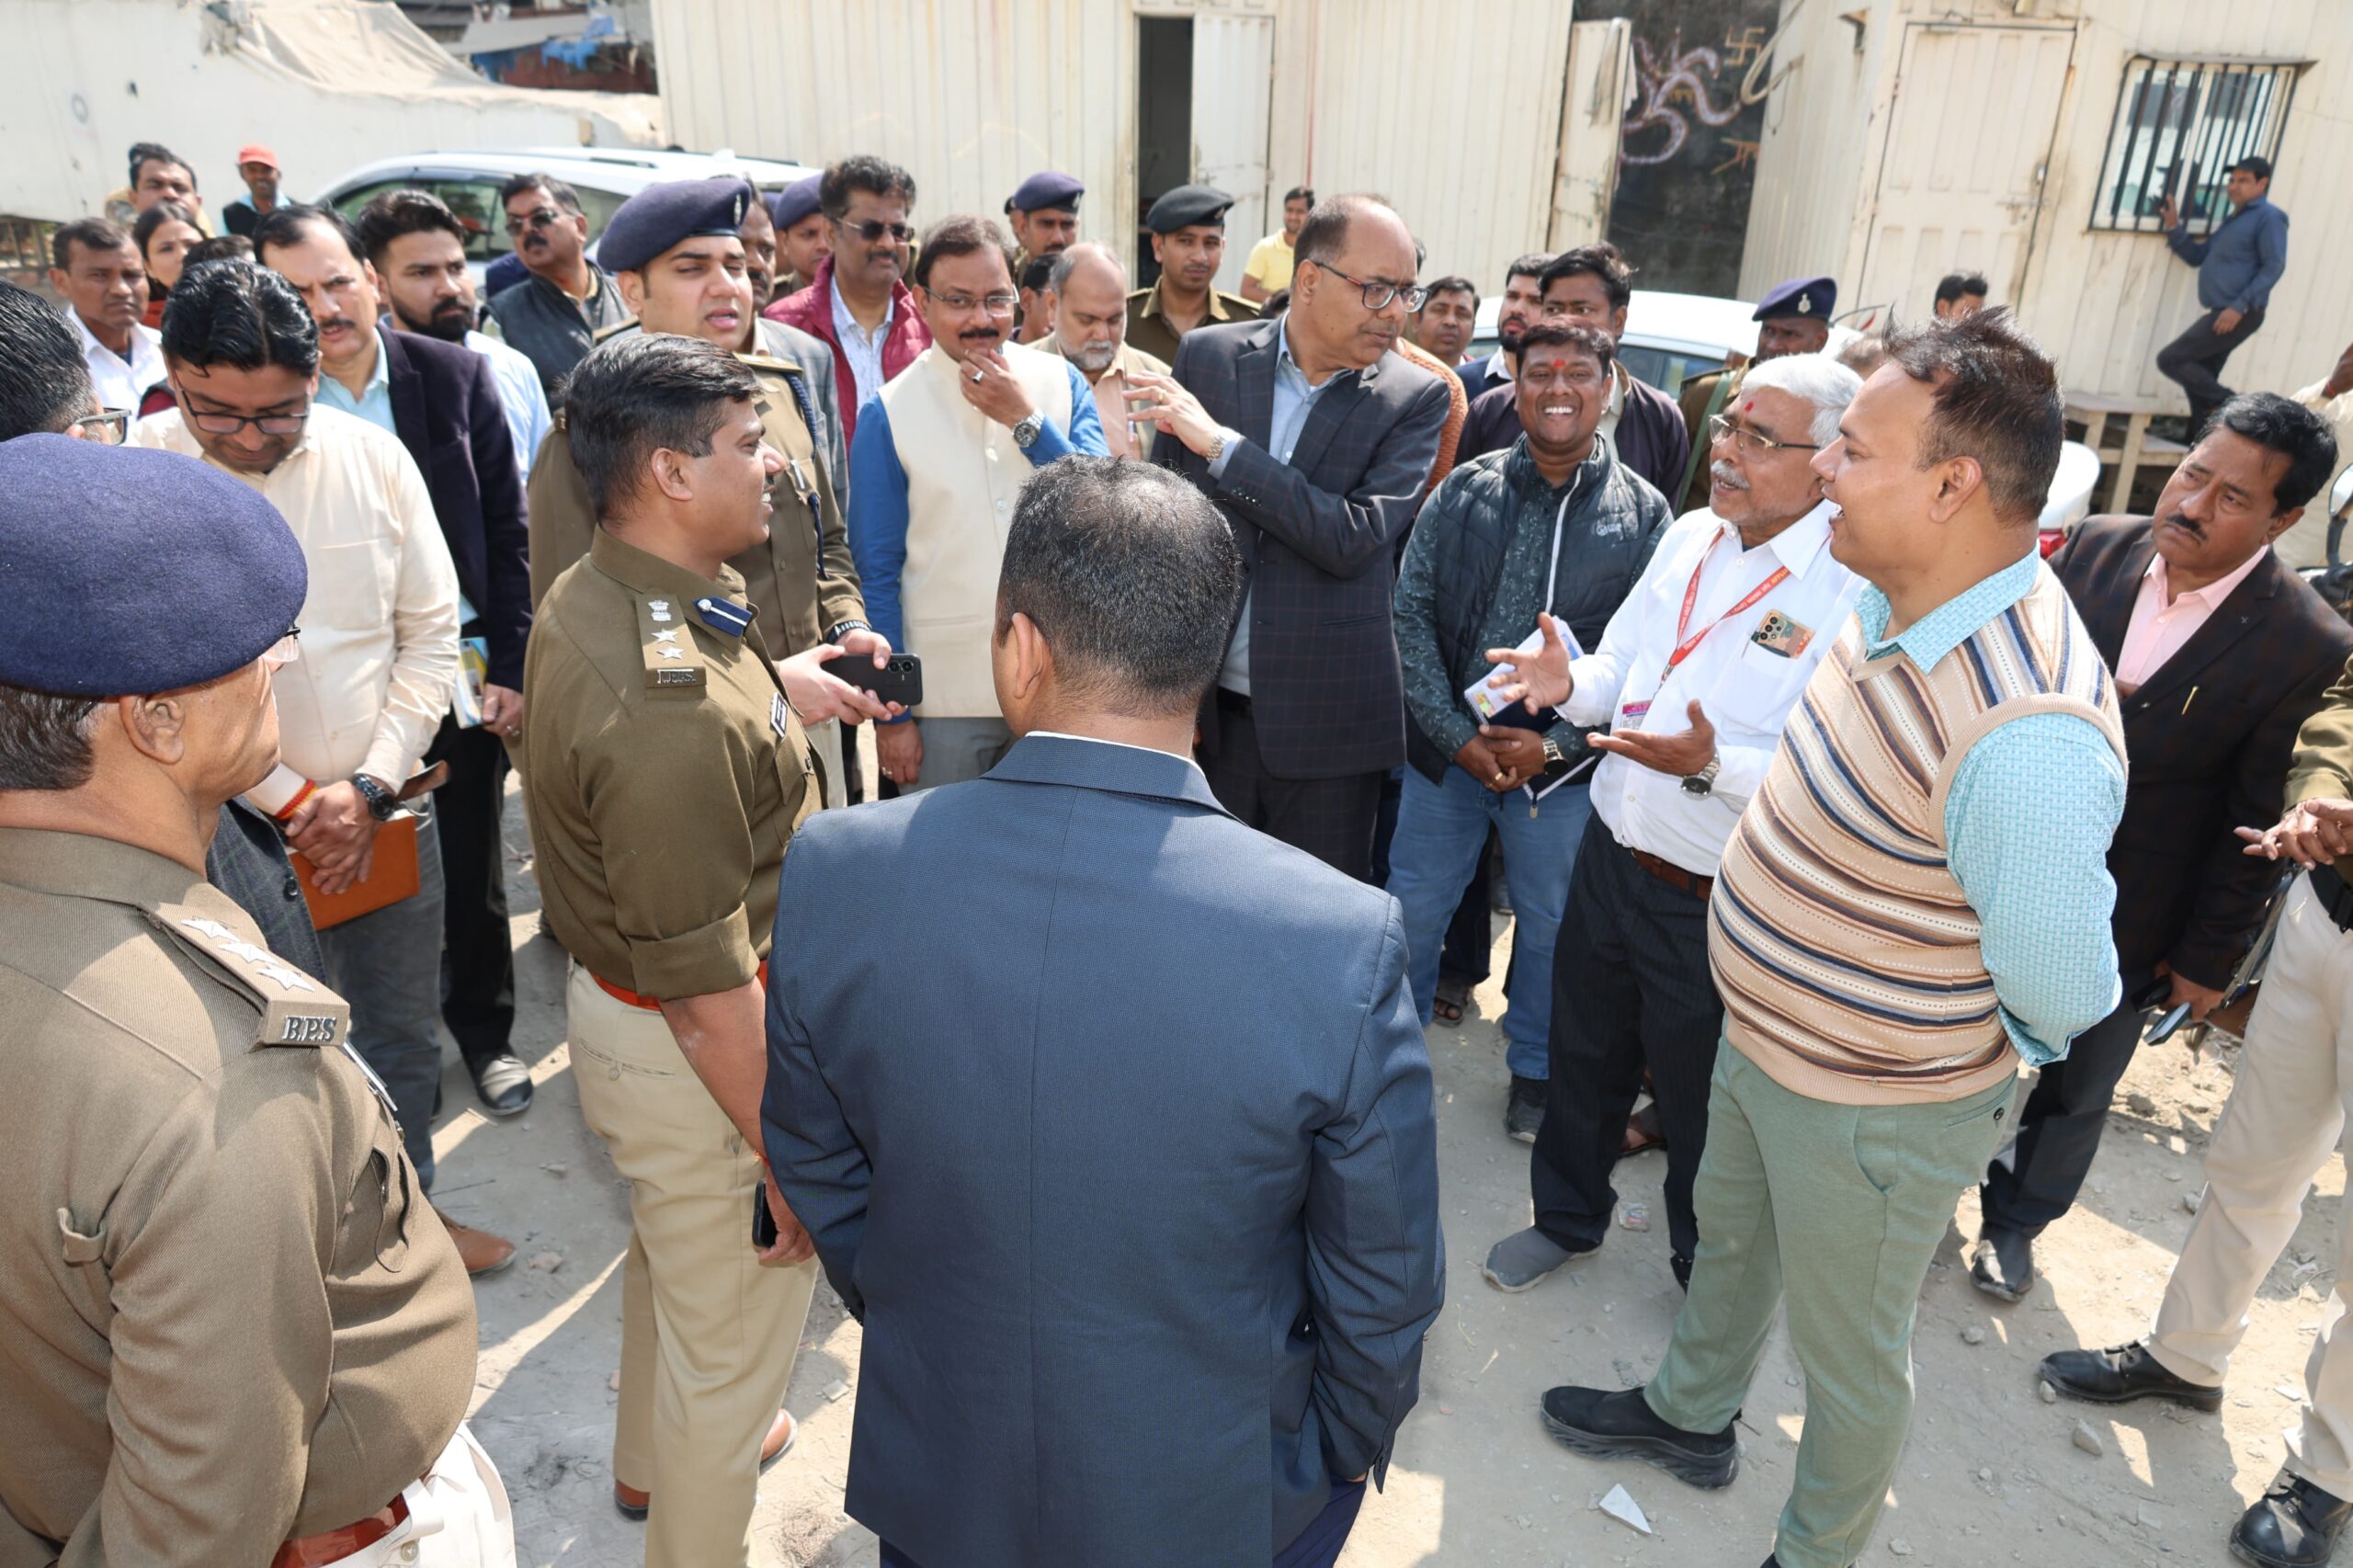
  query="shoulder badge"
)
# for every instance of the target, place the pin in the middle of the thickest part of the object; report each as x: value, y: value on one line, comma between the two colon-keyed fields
x: 671, y: 657
x: 295, y: 1008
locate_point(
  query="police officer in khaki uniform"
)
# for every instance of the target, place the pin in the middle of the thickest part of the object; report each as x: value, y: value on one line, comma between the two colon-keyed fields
x: 671, y: 770
x: 677, y: 253
x: 235, y: 1331
x: 1189, y: 242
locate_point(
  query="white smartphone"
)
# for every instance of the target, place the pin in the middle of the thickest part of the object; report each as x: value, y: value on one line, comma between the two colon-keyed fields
x: 1481, y: 695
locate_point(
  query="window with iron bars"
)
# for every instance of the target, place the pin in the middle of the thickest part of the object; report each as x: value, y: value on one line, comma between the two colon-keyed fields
x: 2178, y: 127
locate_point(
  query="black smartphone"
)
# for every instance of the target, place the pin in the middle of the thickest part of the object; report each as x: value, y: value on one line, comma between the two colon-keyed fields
x: 900, y: 679
x: 764, y: 1222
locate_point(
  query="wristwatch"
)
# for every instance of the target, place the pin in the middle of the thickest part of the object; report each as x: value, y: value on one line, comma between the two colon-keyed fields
x: 1552, y: 758
x: 1703, y: 783
x: 1217, y: 447
x: 1025, y: 435
x: 381, y: 803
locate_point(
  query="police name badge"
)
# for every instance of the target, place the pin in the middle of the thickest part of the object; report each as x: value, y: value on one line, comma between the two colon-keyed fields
x: 781, y: 716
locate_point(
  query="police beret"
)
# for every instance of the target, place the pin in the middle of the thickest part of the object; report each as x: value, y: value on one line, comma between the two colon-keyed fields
x: 1810, y: 297
x: 1047, y: 190
x: 661, y: 215
x: 795, y: 201
x: 136, y: 570
x: 1187, y: 204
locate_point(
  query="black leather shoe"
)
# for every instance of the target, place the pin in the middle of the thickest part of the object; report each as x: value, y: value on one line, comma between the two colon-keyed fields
x: 1621, y: 1426
x: 2293, y: 1524
x: 2002, y: 1266
x: 504, y: 1084
x: 2118, y: 1376
x: 1682, y: 1266
x: 1524, y: 1107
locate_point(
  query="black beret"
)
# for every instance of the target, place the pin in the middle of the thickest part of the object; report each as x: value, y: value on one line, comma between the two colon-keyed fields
x: 795, y: 201
x: 136, y: 570
x: 1810, y: 297
x: 1187, y: 204
x: 662, y: 215
x: 1044, y: 190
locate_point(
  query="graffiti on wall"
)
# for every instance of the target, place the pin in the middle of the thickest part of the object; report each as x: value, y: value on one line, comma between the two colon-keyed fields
x: 1671, y: 84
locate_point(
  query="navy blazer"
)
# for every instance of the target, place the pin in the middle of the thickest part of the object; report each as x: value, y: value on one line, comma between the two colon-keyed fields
x: 1319, y: 538
x: 1143, y: 1266
x: 446, y: 412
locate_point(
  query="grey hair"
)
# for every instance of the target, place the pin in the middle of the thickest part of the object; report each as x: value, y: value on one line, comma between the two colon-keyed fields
x: 1067, y: 263
x: 45, y: 739
x: 1816, y: 378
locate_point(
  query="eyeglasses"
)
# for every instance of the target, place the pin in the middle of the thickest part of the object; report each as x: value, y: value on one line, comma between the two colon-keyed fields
x: 232, y: 424
x: 995, y: 304
x: 872, y: 229
x: 537, y: 218
x: 1377, y: 294
x: 1752, y: 443
x: 285, y: 651
x: 107, y: 427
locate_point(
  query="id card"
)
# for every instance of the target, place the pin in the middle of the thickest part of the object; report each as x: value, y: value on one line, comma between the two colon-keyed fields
x: 1632, y: 714
x: 1482, y: 696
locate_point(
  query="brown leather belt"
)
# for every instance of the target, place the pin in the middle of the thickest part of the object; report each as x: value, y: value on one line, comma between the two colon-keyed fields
x: 651, y: 1004
x: 334, y: 1546
x: 1674, y: 876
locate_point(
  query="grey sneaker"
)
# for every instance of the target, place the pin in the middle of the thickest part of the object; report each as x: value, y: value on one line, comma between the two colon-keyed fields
x: 1522, y: 1259
x: 1524, y: 1108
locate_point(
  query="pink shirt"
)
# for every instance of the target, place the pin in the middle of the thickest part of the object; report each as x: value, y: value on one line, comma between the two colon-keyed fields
x: 2158, y: 629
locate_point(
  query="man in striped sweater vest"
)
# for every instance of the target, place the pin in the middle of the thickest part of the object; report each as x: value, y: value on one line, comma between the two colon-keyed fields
x: 1916, y: 899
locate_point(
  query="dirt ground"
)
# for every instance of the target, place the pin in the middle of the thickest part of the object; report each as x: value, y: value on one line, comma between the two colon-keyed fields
x: 1992, y: 1473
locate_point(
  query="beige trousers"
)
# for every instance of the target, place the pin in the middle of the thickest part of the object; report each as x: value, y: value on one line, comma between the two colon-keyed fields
x: 2286, y: 1113
x: 708, y: 1335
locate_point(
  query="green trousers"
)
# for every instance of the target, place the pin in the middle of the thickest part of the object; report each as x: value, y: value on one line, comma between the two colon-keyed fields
x: 1838, y: 1208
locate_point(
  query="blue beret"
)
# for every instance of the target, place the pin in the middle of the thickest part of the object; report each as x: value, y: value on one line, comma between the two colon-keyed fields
x: 1810, y: 297
x: 1042, y: 191
x: 795, y: 201
x: 136, y: 570
x: 1187, y: 204
x: 662, y: 215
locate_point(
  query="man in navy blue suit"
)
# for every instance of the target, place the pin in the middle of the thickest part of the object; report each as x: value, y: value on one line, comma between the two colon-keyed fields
x: 1143, y: 1282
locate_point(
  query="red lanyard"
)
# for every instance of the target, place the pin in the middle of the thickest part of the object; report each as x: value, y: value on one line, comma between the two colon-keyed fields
x: 1685, y: 646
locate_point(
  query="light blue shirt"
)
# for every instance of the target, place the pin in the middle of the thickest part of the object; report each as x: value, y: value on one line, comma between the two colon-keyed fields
x: 519, y: 394
x: 2027, y: 823
x: 862, y: 349
x: 878, y: 497
x: 1293, y: 398
x: 375, y: 401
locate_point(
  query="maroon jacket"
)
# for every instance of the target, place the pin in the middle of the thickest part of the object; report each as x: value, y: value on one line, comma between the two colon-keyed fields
x: 812, y: 309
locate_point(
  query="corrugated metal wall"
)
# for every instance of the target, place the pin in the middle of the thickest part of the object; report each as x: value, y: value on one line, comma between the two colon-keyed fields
x: 970, y: 96
x: 2103, y: 302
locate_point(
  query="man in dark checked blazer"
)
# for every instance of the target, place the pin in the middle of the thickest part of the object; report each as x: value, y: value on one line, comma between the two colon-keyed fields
x: 1315, y: 439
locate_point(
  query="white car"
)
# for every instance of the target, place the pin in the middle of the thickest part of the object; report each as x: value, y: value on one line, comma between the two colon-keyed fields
x: 603, y: 177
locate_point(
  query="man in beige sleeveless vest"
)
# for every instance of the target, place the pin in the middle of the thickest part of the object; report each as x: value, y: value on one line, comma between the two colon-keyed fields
x: 1916, y: 899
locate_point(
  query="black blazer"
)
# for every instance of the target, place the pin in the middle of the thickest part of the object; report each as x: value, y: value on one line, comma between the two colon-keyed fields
x: 2207, y: 737
x: 1319, y: 541
x: 446, y: 412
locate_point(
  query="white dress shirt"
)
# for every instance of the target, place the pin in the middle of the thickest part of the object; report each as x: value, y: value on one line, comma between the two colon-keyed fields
x: 120, y: 382
x: 379, y: 656
x: 1745, y: 688
x: 862, y: 348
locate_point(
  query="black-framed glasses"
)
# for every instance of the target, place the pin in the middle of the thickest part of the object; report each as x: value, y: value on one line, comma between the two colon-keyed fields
x: 995, y: 304
x: 107, y: 427
x: 213, y: 423
x: 871, y: 230
x: 1376, y: 294
x: 538, y: 218
x: 1756, y: 443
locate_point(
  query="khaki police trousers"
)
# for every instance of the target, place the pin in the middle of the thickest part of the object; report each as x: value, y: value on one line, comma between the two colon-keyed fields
x: 2287, y: 1111
x: 707, y: 1334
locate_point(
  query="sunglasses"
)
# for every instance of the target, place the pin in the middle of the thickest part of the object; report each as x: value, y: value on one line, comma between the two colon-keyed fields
x: 872, y: 229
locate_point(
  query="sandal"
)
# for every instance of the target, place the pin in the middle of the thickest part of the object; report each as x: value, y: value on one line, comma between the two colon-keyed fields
x: 1453, y: 997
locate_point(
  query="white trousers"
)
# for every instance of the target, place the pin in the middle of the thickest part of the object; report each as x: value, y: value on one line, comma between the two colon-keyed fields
x: 457, y: 1516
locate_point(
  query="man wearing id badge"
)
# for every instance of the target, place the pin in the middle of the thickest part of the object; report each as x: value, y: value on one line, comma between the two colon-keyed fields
x: 1554, y: 523
x: 1693, y: 678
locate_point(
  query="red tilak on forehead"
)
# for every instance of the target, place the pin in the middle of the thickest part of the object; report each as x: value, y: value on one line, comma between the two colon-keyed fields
x: 1749, y: 407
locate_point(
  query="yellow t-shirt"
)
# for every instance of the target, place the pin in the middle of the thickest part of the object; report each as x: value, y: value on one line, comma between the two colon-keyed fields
x: 1270, y: 263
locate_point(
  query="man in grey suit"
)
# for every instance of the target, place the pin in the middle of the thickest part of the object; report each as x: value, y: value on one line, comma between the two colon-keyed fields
x: 1315, y: 438
x: 1143, y: 1282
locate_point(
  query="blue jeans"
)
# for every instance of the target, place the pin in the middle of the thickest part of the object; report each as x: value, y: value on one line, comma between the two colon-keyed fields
x: 388, y: 966
x: 1441, y: 830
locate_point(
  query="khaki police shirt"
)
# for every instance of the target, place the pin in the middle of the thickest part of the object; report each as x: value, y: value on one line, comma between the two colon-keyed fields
x: 1150, y: 329
x: 804, y: 588
x: 668, y: 772
x: 2322, y: 766
x: 227, y: 1315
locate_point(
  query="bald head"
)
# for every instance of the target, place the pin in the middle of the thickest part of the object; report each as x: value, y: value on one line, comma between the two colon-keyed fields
x: 1090, y: 289
x: 1352, y: 251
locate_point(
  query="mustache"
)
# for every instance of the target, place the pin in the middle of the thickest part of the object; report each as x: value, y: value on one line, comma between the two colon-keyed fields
x: 2181, y: 521
x: 980, y: 335
x: 1723, y: 473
